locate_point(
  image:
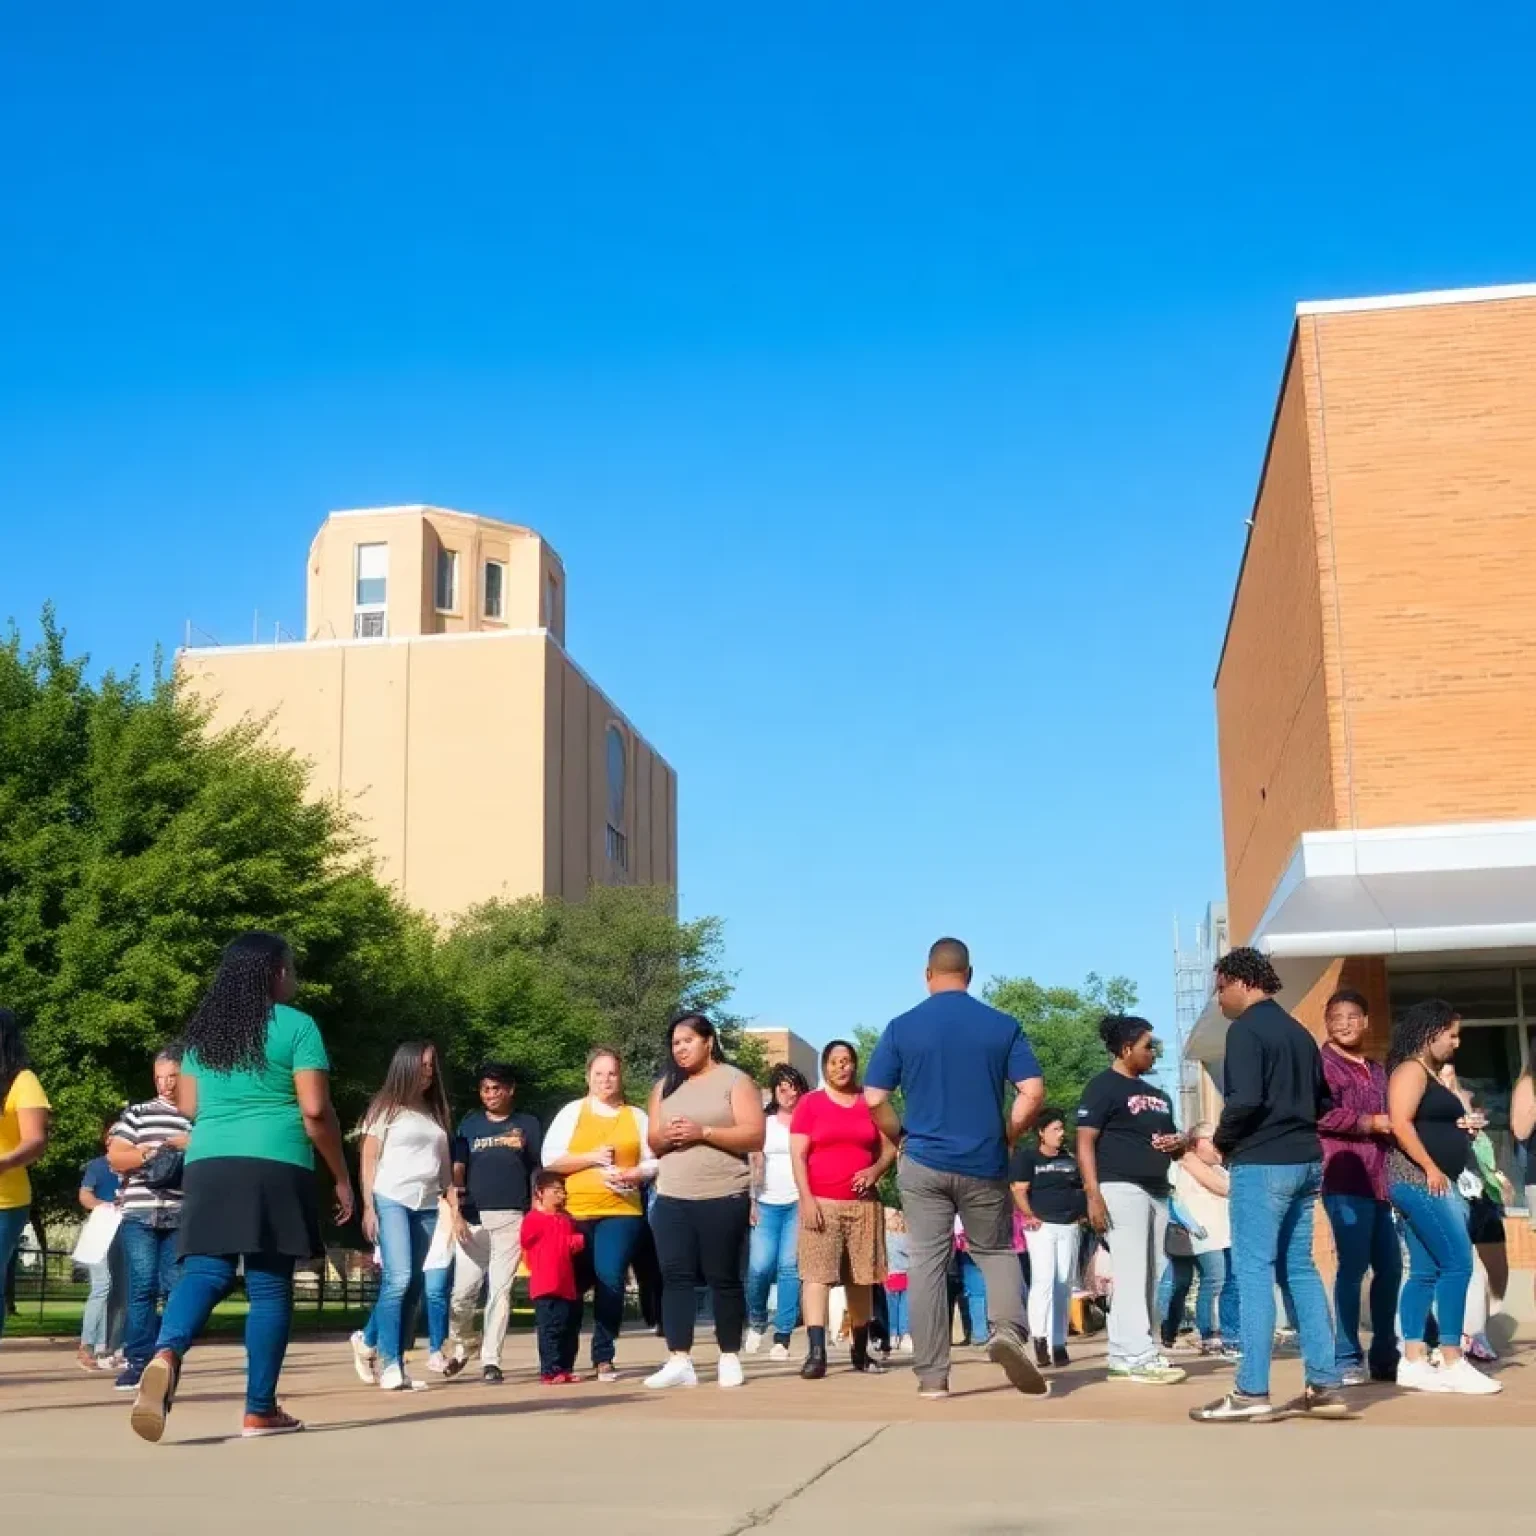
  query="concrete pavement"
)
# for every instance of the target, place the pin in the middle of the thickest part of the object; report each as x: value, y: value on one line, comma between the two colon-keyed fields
x: 781, y: 1455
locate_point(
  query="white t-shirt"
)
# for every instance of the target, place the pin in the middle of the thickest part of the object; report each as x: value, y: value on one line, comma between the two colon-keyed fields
x: 779, y: 1186
x: 413, y: 1167
x: 1213, y: 1212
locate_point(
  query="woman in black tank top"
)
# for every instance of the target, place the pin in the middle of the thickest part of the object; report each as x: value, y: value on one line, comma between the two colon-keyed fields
x: 1432, y: 1150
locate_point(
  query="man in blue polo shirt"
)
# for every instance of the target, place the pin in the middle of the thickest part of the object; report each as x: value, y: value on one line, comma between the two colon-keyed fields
x: 952, y: 1058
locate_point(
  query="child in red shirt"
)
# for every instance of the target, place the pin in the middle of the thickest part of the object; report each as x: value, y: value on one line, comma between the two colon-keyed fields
x: 550, y: 1245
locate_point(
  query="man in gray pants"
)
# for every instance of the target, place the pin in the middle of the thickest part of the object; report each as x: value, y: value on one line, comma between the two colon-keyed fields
x: 951, y: 1058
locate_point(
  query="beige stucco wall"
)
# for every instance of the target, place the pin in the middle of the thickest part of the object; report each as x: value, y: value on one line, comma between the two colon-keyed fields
x: 414, y: 535
x: 475, y: 763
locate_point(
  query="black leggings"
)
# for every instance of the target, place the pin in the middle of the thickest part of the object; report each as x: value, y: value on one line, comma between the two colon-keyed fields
x: 702, y: 1240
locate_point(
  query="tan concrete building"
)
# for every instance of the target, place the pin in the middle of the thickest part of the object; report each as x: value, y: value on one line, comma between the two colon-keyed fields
x: 433, y: 695
x: 1376, y: 692
x: 781, y: 1044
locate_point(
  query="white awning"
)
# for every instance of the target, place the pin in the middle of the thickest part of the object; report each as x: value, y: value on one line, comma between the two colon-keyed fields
x: 1391, y: 891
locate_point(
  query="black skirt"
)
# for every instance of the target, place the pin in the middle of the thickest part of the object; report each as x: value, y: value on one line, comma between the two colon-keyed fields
x: 239, y: 1205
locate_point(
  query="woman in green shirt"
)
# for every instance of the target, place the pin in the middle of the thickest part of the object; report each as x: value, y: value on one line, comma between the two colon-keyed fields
x: 255, y: 1082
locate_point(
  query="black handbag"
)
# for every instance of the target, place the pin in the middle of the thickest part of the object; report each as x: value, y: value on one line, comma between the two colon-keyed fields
x: 164, y: 1169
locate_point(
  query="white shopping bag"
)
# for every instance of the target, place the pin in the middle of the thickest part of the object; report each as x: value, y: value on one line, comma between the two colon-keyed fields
x: 440, y: 1254
x: 96, y: 1235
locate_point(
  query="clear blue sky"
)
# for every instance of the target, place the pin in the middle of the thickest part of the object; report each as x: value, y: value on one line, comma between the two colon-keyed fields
x: 892, y: 378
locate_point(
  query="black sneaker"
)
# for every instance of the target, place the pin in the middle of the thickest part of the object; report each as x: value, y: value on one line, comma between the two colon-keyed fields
x: 1060, y: 1356
x: 1236, y: 1408
x: 1042, y: 1354
x: 814, y: 1369
x: 455, y: 1364
x: 492, y: 1376
x: 1318, y: 1403
x: 128, y: 1381
x: 1010, y: 1349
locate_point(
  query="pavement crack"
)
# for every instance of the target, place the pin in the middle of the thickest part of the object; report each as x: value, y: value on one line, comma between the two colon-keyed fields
x: 756, y: 1519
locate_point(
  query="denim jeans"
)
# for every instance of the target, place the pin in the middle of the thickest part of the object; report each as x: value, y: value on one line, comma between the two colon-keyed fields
x: 13, y: 1222
x: 973, y: 1293
x: 603, y: 1267
x: 101, y: 1329
x: 149, y: 1259
x: 404, y: 1238
x: 1273, y: 1208
x: 1365, y: 1238
x: 1216, y: 1307
x: 774, y: 1258
x: 203, y: 1283
x: 1439, y: 1261
x: 899, y: 1314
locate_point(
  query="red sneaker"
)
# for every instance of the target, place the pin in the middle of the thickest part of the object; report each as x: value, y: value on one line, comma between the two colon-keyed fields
x: 554, y: 1379
x: 568, y: 1378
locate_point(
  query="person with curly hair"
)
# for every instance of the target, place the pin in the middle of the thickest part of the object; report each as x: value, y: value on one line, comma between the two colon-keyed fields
x: 1274, y: 1094
x: 1126, y: 1141
x: 773, y: 1257
x: 255, y: 1082
x: 1432, y: 1152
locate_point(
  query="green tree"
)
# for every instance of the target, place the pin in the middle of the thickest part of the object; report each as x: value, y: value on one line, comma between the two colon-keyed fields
x: 546, y: 980
x: 1062, y: 1024
x: 133, y: 846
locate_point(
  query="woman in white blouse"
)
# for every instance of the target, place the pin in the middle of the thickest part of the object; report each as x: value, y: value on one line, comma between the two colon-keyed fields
x: 407, y: 1170
x: 773, y: 1257
x: 599, y: 1143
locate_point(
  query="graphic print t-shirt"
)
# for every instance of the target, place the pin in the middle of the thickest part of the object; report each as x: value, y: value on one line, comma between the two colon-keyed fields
x: 500, y: 1159
x: 1055, y: 1185
x: 1128, y: 1112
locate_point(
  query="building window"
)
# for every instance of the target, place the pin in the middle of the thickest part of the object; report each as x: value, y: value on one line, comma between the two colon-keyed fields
x: 371, y: 592
x: 495, y: 590
x: 618, y: 849
x: 447, y: 581
x: 618, y: 769
x: 551, y: 601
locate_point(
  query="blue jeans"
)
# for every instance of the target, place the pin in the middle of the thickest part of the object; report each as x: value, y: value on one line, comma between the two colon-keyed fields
x: 774, y: 1258
x: 203, y: 1283
x: 1273, y: 1208
x: 604, y: 1266
x: 101, y: 1329
x: 13, y: 1222
x: 1439, y: 1261
x: 973, y: 1290
x: 1365, y: 1238
x: 899, y: 1314
x: 149, y: 1259
x: 1216, y: 1305
x: 404, y: 1238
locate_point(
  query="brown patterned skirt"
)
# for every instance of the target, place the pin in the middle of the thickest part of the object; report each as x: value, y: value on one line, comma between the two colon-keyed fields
x: 850, y: 1248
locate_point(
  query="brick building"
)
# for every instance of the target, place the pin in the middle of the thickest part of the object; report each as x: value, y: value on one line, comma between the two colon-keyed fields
x: 1376, y: 691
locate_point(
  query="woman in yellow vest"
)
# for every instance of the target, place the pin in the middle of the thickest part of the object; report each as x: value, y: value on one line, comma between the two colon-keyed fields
x: 599, y: 1144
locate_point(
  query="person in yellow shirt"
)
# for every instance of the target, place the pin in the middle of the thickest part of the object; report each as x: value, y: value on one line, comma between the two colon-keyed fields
x: 599, y: 1144
x: 23, y: 1138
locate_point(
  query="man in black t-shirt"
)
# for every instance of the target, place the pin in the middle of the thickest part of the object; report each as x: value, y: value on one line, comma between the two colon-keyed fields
x: 495, y: 1156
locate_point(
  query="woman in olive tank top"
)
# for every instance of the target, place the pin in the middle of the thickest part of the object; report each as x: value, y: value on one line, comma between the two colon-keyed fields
x: 704, y: 1121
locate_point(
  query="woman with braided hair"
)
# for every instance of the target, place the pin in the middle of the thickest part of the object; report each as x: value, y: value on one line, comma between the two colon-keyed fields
x: 1423, y: 1168
x: 255, y: 1082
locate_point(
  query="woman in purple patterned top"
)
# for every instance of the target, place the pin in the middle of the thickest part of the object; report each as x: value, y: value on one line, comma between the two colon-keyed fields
x: 1356, y: 1135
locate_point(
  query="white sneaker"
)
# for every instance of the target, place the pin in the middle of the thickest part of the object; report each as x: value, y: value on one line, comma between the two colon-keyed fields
x: 729, y: 1373
x: 1354, y: 1376
x: 393, y: 1379
x: 1419, y: 1376
x: 677, y: 1372
x: 906, y: 1343
x: 754, y: 1341
x: 437, y: 1362
x: 362, y: 1359
x: 1465, y: 1378
x: 779, y: 1352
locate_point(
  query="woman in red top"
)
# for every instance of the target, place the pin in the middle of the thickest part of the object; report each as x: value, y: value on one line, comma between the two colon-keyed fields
x: 839, y: 1155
